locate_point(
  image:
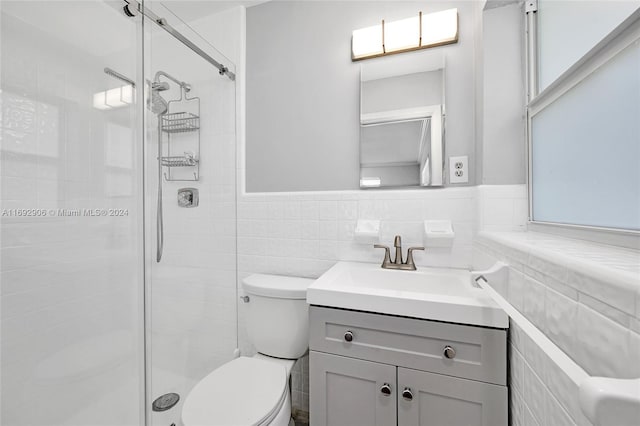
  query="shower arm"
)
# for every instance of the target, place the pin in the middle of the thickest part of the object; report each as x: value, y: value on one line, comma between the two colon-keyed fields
x: 184, y: 85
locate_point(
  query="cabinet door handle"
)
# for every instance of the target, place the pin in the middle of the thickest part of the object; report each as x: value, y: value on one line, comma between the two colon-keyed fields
x: 386, y: 389
x: 407, y: 394
x: 348, y: 336
x: 449, y: 352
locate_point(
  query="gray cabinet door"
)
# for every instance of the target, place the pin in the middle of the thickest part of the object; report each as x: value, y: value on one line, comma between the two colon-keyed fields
x: 439, y: 400
x: 348, y: 392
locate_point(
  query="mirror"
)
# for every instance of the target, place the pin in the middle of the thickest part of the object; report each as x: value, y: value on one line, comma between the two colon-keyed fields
x: 402, y: 125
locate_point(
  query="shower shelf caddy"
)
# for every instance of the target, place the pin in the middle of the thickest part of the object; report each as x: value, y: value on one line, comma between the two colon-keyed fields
x: 174, y: 124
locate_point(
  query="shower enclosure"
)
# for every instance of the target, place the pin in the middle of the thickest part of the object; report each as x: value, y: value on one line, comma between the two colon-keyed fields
x: 117, y: 144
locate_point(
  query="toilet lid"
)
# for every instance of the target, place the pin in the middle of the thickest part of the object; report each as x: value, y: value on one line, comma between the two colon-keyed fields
x: 276, y: 286
x: 243, y: 392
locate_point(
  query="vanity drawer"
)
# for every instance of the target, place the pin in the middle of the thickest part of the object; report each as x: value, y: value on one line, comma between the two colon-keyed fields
x: 478, y: 353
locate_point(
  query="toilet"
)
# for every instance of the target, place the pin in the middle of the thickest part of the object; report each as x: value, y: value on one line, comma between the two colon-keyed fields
x: 254, y: 391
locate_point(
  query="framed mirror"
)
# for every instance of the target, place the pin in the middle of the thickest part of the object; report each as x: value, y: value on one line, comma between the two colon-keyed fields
x: 402, y: 116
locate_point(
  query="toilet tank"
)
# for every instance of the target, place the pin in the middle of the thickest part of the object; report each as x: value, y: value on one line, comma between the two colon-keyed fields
x: 277, y: 314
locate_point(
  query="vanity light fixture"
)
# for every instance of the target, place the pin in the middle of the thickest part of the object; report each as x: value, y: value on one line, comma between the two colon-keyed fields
x: 420, y: 32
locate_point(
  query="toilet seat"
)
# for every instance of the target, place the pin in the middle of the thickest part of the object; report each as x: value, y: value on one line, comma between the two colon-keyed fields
x: 243, y: 392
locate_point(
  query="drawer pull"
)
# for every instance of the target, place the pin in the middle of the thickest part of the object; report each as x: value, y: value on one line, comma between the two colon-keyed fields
x: 407, y: 394
x: 449, y: 352
x: 386, y: 389
x: 348, y: 336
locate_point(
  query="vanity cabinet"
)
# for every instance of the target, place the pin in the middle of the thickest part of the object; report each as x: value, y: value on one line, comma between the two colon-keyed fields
x: 351, y: 392
x: 372, y: 369
x: 435, y: 399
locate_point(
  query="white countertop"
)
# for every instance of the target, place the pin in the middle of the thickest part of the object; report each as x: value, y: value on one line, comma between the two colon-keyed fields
x: 428, y: 293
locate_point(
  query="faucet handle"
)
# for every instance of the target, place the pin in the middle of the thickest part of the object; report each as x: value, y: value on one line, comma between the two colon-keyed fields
x: 387, y: 254
x: 410, y: 256
x: 397, y: 241
x: 386, y: 248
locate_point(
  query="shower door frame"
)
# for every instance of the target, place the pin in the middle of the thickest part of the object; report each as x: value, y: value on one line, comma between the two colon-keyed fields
x: 148, y: 208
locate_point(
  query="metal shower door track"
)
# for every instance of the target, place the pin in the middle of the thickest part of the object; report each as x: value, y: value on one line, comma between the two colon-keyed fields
x: 223, y: 70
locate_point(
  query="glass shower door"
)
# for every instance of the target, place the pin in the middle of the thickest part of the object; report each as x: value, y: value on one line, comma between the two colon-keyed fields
x: 191, y: 291
x: 72, y: 349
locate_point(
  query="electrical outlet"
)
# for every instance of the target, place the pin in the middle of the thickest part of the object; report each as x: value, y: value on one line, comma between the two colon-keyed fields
x: 459, y: 169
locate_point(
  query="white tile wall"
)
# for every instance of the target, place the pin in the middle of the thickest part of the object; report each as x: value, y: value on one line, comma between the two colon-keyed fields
x: 502, y: 207
x: 540, y: 391
x: 561, y: 320
x: 534, y: 302
x: 311, y: 231
x: 584, y: 306
x: 582, y: 296
x: 575, y: 317
x: 304, y: 234
x: 605, y: 347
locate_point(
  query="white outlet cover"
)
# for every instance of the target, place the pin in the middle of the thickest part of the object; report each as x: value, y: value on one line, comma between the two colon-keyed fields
x: 459, y: 169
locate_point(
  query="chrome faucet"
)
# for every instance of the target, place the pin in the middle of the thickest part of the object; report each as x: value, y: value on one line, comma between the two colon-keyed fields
x: 397, y: 263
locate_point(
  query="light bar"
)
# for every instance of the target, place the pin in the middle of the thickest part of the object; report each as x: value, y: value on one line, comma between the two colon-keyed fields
x: 367, y: 42
x: 419, y: 32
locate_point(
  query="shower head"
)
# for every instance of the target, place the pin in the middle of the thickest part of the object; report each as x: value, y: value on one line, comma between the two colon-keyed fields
x: 155, y: 102
x: 184, y: 85
x: 160, y: 86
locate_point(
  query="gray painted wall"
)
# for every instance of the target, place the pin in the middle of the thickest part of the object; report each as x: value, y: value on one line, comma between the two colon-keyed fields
x: 302, y: 101
x: 503, y: 132
x: 405, y: 91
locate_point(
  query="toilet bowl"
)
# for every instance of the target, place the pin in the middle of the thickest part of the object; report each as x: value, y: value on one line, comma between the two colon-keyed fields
x: 254, y: 391
x: 243, y: 392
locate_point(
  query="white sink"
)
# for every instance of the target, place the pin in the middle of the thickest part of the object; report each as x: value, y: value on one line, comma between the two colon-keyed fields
x: 428, y: 293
